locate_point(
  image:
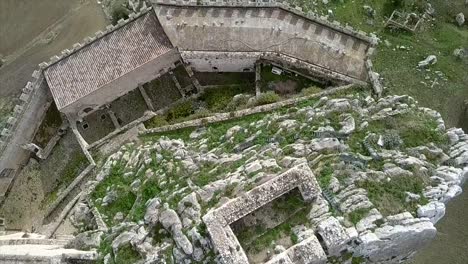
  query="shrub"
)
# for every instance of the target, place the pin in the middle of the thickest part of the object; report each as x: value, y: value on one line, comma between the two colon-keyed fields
x: 311, y: 90
x: 119, y: 12
x: 238, y: 102
x: 267, y: 98
x: 180, y: 109
x: 157, y: 121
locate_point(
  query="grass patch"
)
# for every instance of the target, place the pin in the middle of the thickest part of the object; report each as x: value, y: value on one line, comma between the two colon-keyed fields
x: 357, y: 215
x: 390, y: 196
x: 127, y: 255
x: 415, y: 129
x: 121, y: 184
x: 74, y: 167
x: 257, y: 238
x: 274, y: 82
x: 217, y: 99
x: 325, y: 176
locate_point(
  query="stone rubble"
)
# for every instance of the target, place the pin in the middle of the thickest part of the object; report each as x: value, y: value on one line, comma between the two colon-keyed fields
x: 224, y: 182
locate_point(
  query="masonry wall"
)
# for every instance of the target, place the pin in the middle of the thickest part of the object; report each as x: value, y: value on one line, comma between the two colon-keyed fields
x: 122, y: 85
x: 259, y: 29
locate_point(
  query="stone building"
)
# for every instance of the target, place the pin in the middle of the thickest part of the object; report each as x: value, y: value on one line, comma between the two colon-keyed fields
x: 208, y: 36
x: 111, y: 66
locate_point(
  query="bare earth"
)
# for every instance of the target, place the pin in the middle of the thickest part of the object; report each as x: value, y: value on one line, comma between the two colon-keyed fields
x: 32, y: 31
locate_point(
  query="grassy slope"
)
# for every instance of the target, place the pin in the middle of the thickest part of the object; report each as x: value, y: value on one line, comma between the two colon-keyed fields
x: 398, y: 66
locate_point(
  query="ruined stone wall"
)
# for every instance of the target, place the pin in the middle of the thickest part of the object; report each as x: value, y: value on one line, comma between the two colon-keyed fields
x: 124, y: 84
x: 271, y: 27
x: 214, y: 61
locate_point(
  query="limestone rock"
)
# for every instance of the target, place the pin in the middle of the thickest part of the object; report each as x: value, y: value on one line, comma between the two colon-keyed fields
x: 334, y: 236
x: 433, y: 210
x: 460, y: 18
x: 152, y: 211
x: 395, y: 242
x: 430, y: 60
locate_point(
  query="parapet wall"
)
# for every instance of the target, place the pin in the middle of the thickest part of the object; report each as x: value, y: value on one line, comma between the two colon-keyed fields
x: 265, y: 26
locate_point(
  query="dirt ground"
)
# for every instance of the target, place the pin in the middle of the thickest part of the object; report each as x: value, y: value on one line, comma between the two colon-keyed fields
x: 32, y: 31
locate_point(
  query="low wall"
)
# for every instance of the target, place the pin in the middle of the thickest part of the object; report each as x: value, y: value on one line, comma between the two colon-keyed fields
x: 241, y: 113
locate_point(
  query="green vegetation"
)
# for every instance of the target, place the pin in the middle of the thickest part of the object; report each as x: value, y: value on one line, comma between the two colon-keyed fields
x: 325, y: 176
x: 179, y: 110
x: 397, y: 66
x: 267, y: 98
x: 415, y: 129
x: 357, y: 215
x: 257, y: 238
x: 49, y: 126
x: 76, y: 164
x: 390, y: 196
x: 119, y: 183
x: 127, y: 255
x: 217, y: 99
x: 285, y: 84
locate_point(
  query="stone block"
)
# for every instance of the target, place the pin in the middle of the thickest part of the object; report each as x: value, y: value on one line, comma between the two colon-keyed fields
x: 18, y: 109
x: 77, y: 46
x: 334, y: 236
x: 121, y: 22
x: 5, y: 132
x: 43, y: 65
x: 54, y: 59
x: 308, y: 251
x: 24, y: 97
x: 36, y: 74
x: 11, y: 120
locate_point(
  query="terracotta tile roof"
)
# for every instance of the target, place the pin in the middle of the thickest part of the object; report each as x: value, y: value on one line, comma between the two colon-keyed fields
x: 106, y: 59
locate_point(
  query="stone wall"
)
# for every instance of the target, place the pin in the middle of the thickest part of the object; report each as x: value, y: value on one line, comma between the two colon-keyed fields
x: 29, y: 92
x: 265, y: 26
x: 218, y: 220
x: 241, y: 113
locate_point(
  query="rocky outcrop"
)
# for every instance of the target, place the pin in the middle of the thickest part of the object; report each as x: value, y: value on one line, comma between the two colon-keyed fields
x: 219, y: 174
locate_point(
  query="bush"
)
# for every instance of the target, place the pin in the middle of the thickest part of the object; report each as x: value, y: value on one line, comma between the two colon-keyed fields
x: 267, y: 98
x: 119, y: 12
x: 238, y: 102
x: 157, y: 121
x: 311, y: 90
x: 180, y: 109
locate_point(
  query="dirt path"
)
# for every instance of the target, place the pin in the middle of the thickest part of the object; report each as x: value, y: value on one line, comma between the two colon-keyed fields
x: 80, y: 18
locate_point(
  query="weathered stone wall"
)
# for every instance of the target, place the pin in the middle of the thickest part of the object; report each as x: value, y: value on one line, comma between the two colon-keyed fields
x: 31, y: 91
x: 265, y: 27
x: 214, y: 61
x: 217, y: 221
